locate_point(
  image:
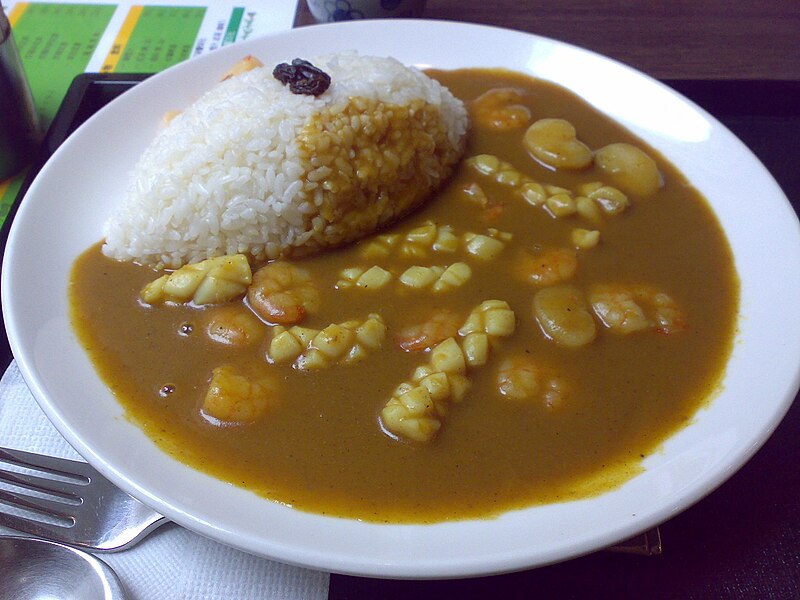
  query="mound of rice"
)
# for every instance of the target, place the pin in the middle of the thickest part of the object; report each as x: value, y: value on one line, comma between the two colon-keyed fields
x: 252, y: 168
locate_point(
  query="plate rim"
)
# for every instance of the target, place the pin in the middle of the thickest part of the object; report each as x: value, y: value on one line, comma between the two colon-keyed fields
x: 477, y: 566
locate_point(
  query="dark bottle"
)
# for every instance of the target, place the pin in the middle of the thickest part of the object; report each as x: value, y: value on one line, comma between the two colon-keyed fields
x: 19, y: 123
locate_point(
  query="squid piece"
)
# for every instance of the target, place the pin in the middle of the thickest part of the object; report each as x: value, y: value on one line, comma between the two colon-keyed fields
x: 211, y: 281
x: 417, y: 408
x: 338, y: 343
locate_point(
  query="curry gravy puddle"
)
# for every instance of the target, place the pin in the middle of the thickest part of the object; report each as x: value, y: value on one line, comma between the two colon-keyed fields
x: 320, y: 448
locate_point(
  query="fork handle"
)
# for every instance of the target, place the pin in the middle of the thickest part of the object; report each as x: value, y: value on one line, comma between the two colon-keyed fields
x: 133, y: 522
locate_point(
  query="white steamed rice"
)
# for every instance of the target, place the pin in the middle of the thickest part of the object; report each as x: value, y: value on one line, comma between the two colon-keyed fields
x: 226, y: 175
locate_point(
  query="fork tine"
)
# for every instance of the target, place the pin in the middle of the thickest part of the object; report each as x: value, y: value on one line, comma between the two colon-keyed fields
x: 43, y: 506
x: 47, y: 464
x: 61, y: 489
x: 94, y: 513
x: 37, y: 528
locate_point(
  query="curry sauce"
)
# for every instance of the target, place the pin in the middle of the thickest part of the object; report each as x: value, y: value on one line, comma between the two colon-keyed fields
x: 321, y: 445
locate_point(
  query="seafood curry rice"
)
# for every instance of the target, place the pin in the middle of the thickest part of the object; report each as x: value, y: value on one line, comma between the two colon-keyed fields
x: 531, y: 334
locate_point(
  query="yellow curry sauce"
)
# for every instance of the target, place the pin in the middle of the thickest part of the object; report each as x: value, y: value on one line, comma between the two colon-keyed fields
x: 320, y: 446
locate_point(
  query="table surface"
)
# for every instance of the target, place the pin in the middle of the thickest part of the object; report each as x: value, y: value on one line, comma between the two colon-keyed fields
x: 679, y: 39
x: 741, y: 541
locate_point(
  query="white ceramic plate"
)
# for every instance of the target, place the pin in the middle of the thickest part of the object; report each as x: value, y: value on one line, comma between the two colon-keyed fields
x: 76, y: 190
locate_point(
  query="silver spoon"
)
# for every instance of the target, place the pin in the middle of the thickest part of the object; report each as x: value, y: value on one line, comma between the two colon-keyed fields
x: 33, y: 569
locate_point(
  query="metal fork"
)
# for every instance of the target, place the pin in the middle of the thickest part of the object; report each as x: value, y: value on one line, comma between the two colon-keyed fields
x: 78, y: 506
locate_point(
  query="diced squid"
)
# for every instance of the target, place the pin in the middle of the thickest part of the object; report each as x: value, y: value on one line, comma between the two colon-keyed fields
x: 211, y: 281
x: 417, y: 408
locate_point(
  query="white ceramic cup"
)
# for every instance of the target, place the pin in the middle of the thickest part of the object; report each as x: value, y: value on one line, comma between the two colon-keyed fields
x: 327, y: 11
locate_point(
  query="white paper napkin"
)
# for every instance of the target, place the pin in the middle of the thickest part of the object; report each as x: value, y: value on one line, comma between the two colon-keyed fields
x: 172, y: 563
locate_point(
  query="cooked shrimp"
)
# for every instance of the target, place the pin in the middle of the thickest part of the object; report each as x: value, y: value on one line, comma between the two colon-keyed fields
x: 547, y: 267
x: 519, y: 378
x: 233, y: 397
x: 555, y: 393
x: 500, y: 109
x: 492, y: 212
x: 234, y: 325
x: 282, y: 293
x: 442, y: 324
x: 617, y: 309
x: 248, y: 63
x: 669, y: 317
x: 168, y: 116
x: 490, y: 209
x: 630, y: 308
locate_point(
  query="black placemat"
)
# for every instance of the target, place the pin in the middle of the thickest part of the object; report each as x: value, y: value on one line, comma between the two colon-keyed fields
x: 739, y: 542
